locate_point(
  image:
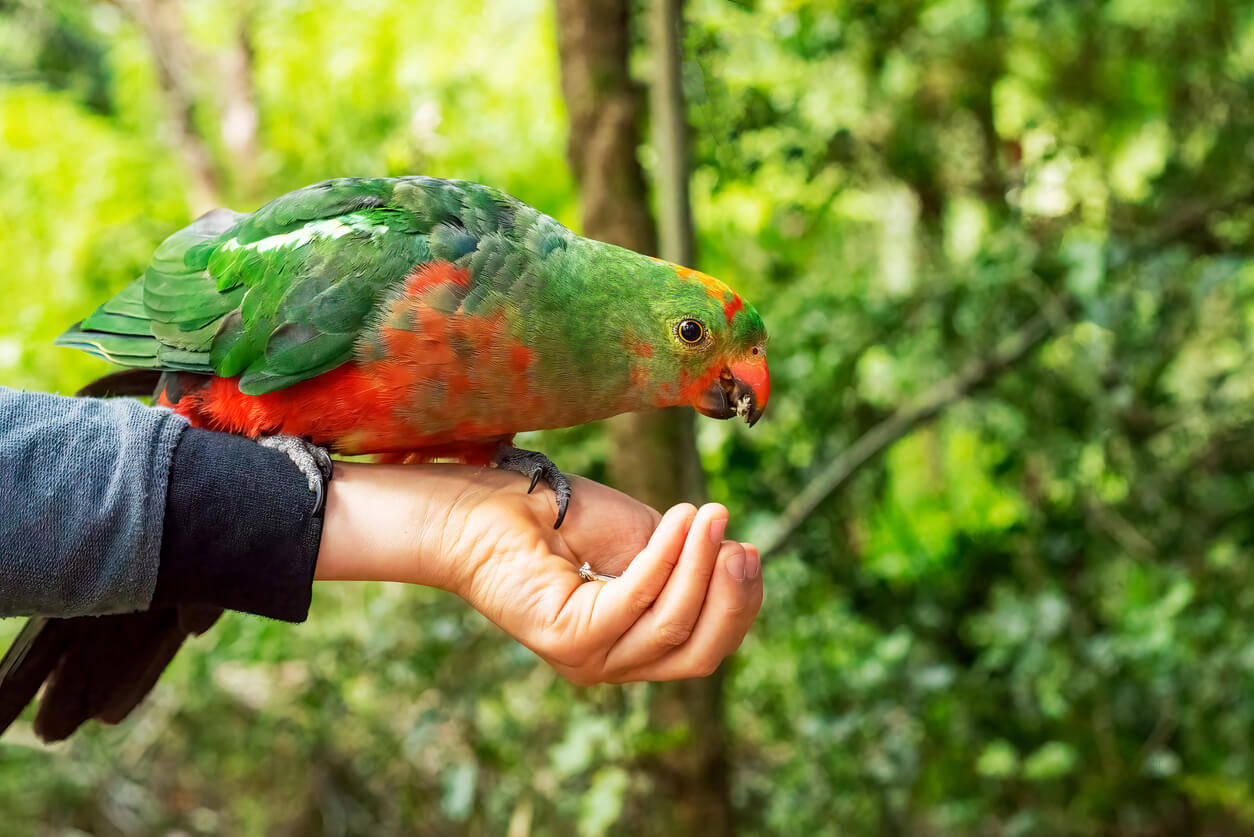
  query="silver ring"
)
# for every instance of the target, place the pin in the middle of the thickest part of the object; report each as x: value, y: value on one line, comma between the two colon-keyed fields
x: 587, y: 574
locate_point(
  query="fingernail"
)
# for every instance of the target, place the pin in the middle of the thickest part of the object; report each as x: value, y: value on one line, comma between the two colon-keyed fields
x: 736, y: 565
x: 717, y: 527
x: 753, y: 561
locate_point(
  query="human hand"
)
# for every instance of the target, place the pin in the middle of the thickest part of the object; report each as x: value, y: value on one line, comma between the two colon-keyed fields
x: 684, y: 601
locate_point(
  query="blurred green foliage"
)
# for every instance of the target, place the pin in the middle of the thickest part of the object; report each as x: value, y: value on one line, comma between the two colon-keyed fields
x: 1029, y: 616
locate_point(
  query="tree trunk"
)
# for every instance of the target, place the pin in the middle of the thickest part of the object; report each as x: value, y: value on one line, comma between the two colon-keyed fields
x: 241, y: 116
x: 162, y: 26
x: 593, y: 41
x: 654, y: 455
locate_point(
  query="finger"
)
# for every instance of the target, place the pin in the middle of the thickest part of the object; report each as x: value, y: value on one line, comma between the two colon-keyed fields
x: 734, y: 600
x: 724, y: 622
x: 669, y: 623
x: 619, y: 603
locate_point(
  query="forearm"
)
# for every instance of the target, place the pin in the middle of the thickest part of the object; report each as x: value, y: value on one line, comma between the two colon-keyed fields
x: 82, y: 492
x: 112, y: 506
x: 402, y: 522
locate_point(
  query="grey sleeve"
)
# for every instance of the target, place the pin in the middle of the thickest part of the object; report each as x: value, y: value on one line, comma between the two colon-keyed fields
x: 82, y: 499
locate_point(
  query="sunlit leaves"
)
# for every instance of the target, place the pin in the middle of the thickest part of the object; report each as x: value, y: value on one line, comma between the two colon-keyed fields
x: 1030, y: 616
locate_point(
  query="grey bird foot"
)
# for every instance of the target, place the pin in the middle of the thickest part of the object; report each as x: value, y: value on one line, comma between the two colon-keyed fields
x: 314, y: 462
x: 536, y: 465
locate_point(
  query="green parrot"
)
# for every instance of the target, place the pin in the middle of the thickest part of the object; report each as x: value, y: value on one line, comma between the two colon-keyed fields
x: 413, y: 318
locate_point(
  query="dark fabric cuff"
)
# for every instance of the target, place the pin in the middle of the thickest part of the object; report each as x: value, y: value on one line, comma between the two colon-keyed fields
x: 240, y: 532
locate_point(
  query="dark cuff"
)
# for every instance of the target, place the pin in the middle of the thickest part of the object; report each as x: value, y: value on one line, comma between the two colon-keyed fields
x: 241, y: 531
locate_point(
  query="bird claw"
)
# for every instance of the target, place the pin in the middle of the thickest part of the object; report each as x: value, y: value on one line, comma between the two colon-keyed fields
x: 536, y: 465
x: 314, y: 462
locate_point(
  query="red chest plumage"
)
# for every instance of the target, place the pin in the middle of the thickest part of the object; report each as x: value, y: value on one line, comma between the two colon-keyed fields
x: 446, y: 385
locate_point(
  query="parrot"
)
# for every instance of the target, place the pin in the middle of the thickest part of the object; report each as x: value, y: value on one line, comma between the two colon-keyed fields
x: 410, y: 318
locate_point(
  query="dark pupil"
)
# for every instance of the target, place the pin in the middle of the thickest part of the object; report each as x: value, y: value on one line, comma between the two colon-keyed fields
x: 690, y: 331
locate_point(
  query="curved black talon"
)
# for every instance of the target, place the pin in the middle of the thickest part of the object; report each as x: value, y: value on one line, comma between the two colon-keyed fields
x: 325, y: 463
x: 536, y: 465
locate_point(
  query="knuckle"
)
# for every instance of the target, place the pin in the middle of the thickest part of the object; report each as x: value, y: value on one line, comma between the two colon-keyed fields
x: 561, y: 652
x: 567, y: 658
x: 674, y: 633
x: 580, y: 678
x: 581, y: 659
x: 640, y: 604
x: 706, y: 668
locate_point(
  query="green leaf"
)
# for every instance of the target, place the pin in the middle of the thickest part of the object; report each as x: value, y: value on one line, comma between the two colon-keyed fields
x: 1052, y: 761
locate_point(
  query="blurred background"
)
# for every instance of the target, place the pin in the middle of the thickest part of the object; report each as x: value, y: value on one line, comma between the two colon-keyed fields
x: 1005, y: 484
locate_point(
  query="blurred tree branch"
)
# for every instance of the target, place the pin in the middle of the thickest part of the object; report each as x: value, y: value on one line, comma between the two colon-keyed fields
x: 670, y: 134
x: 977, y: 373
x: 241, y: 119
x: 1182, y: 226
x: 171, y: 53
x: 601, y: 100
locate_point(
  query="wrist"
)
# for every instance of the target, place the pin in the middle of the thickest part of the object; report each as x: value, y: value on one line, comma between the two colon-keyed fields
x: 377, y: 524
x: 409, y: 523
x: 240, y: 529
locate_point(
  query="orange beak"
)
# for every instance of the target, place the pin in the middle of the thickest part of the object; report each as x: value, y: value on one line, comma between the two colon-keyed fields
x: 741, y: 390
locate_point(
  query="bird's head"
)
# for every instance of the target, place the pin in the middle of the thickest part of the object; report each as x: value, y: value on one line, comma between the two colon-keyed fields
x: 716, y: 344
x: 638, y: 333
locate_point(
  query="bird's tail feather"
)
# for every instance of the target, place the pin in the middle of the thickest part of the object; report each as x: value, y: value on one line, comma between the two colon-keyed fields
x: 136, y: 383
x: 25, y: 666
x: 93, y: 666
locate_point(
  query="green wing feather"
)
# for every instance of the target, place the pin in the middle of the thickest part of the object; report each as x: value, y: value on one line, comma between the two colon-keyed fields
x: 281, y: 295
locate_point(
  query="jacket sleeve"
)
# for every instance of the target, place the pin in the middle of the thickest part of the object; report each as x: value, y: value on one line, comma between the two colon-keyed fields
x: 109, y: 506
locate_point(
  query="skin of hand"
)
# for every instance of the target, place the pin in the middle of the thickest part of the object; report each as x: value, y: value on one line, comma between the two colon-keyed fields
x: 683, y: 602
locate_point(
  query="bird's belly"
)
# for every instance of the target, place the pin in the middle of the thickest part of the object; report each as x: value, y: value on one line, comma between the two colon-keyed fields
x: 366, y: 408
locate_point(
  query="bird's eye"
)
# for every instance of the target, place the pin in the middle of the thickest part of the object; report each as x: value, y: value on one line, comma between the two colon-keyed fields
x: 691, y: 331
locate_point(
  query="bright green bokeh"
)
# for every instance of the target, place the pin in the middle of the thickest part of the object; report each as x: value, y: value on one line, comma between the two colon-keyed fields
x: 1029, y: 616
